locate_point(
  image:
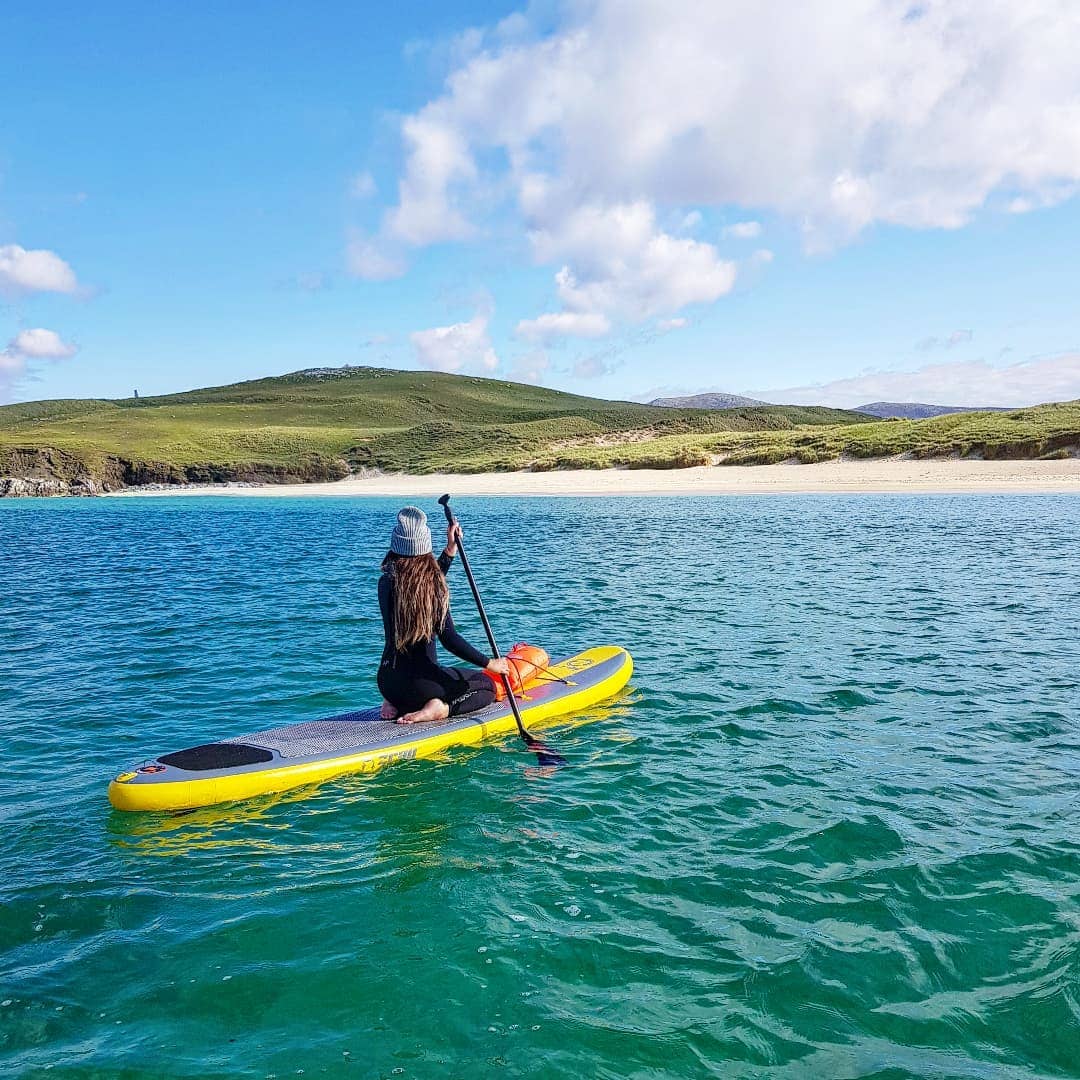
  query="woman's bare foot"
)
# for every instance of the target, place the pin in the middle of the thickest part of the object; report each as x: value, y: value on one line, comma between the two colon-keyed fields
x: 387, y: 712
x: 433, y: 710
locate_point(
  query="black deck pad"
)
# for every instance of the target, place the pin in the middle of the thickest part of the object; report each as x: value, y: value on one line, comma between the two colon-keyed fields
x: 217, y: 755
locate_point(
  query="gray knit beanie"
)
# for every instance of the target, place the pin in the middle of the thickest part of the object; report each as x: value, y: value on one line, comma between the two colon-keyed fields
x: 411, y: 535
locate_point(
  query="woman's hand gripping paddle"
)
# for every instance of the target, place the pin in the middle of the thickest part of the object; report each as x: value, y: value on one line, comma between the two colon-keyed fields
x: 544, y: 754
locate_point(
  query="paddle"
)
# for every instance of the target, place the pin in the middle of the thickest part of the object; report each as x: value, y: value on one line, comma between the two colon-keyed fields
x: 544, y: 754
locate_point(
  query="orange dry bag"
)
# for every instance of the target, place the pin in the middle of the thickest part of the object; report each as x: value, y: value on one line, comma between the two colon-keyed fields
x: 526, y: 663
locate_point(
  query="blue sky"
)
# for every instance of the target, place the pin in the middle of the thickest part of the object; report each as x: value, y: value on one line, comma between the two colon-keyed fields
x: 869, y: 200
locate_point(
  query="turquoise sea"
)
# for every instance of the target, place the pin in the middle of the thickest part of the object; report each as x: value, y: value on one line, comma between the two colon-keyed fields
x: 832, y: 829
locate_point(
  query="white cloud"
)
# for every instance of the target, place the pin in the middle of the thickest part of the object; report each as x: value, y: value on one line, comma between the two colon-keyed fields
x: 362, y: 186
x: 462, y: 346
x: 973, y: 382
x: 836, y: 114
x: 438, y: 158
x: 34, y: 271
x: 619, y: 264
x: 556, y: 325
x: 744, y: 230
x: 26, y: 347
x: 39, y: 344
x: 691, y: 221
x: 665, y: 326
x: 762, y: 257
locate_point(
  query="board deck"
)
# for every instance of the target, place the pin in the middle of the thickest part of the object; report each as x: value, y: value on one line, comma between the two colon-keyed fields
x: 281, y: 758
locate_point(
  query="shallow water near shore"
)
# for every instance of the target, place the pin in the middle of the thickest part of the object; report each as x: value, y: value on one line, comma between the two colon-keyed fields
x: 832, y: 829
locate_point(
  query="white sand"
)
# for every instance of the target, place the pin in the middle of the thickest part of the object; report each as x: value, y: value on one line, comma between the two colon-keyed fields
x: 881, y: 475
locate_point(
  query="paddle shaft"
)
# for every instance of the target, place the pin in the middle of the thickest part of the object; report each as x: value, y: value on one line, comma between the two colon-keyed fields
x: 444, y: 502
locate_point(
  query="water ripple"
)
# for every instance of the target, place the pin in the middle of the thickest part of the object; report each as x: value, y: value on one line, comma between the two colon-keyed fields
x: 831, y: 830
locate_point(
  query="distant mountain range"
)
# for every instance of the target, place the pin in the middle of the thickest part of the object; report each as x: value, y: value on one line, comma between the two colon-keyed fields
x: 911, y: 410
x: 707, y: 401
x: 885, y: 410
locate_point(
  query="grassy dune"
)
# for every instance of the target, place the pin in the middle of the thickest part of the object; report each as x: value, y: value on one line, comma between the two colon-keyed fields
x: 328, y: 423
x: 1044, y: 431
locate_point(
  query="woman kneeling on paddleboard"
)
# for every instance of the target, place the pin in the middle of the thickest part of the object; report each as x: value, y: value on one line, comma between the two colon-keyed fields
x: 415, y: 605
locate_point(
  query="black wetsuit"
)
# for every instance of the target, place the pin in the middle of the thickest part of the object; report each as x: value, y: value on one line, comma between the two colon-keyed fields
x: 412, y: 678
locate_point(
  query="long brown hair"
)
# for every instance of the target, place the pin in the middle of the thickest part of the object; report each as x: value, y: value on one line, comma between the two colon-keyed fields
x: 421, y: 598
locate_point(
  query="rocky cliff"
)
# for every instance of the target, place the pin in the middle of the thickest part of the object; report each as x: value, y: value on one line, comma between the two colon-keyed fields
x: 38, y: 471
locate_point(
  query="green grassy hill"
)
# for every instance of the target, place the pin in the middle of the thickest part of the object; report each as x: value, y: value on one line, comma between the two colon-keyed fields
x: 326, y: 423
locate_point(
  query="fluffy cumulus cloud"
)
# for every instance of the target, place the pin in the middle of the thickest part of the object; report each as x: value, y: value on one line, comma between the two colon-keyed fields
x: 835, y: 114
x: 438, y: 157
x: 464, y: 346
x: 26, y: 347
x: 617, y: 263
x: 973, y: 382
x: 39, y: 344
x: 23, y: 271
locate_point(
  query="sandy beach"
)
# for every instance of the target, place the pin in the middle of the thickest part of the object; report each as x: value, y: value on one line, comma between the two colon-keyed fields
x: 934, y: 476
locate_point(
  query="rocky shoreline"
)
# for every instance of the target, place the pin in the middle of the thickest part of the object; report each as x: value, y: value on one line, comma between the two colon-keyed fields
x: 33, y: 487
x: 47, y: 472
x: 36, y: 487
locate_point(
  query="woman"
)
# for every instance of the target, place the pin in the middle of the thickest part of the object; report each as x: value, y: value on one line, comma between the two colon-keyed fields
x: 415, y: 605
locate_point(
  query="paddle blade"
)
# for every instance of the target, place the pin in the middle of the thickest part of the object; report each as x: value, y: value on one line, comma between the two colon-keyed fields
x: 545, y: 756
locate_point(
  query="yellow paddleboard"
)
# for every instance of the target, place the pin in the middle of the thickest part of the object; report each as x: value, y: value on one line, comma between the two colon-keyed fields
x: 357, y: 742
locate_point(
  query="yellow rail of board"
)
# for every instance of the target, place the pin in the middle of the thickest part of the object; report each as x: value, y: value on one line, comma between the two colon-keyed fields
x: 188, y: 794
